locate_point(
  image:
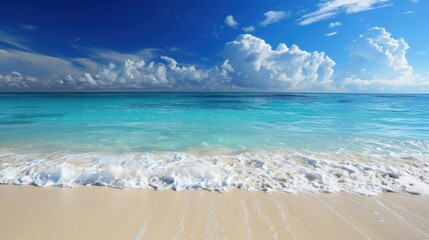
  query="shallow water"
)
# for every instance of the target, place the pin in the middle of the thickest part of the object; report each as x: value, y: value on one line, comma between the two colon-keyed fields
x: 364, y: 143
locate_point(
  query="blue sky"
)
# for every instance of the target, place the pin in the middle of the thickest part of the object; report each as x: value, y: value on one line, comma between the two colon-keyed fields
x: 289, y: 45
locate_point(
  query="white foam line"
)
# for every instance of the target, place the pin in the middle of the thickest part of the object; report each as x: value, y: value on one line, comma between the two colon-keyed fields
x: 266, y: 220
x: 246, y: 218
x: 198, y: 203
x: 401, y: 218
x: 344, y: 219
x: 212, y: 223
x: 404, y: 209
x: 180, y: 228
x: 153, y: 170
x: 285, y: 222
x: 142, y: 228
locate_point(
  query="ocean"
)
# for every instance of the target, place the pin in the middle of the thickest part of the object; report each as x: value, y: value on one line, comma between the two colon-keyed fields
x: 283, y: 142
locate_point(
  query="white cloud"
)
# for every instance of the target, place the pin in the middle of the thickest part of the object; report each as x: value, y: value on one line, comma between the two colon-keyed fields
x: 405, y: 13
x: 414, y: 1
x: 40, y: 65
x: 90, y: 79
x: 230, y: 21
x: 129, y: 74
x: 384, y: 60
x: 106, y: 56
x: 167, y: 74
x: 330, y: 34
x: 17, y: 81
x: 173, y: 49
x: 11, y: 39
x: 27, y: 27
x: 249, y: 63
x: 335, y: 24
x: 272, y: 17
x: 330, y: 8
x: 256, y: 64
x: 249, y: 29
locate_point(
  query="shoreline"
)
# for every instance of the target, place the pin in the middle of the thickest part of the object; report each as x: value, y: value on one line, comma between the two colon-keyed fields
x: 91, y: 212
x: 281, y: 171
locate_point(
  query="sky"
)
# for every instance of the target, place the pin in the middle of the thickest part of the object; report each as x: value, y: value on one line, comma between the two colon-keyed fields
x: 236, y: 45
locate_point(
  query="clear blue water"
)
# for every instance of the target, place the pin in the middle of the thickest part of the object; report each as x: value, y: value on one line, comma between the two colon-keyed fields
x: 368, y: 125
x: 179, y: 121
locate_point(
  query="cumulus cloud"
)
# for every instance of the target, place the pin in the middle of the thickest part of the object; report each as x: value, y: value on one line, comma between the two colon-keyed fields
x: 380, y: 61
x: 249, y: 29
x: 335, y: 24
x: 129, y: 74
x: 166, y: 74
x: 72, y: 73
x: 257, y: 64
x: 249, y: 63
x: 17, y: 80
x: 160, y: 74
x: 330, y: 8
x: 230, y: 21
x: 272, y: 17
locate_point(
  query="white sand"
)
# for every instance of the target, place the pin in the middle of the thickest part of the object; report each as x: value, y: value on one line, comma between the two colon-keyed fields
x: 28, y: 212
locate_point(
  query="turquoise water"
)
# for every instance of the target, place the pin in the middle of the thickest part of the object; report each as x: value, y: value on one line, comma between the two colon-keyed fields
x: 46, y: 130
x: 177, y: 122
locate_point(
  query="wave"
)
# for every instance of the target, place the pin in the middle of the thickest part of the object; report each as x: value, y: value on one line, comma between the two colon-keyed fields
x: 279, y: 171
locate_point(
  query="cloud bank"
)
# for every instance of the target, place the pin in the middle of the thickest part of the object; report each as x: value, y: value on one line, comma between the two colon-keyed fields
x: 377, y: 63
x: 130, y: 74
x: 249, y: 63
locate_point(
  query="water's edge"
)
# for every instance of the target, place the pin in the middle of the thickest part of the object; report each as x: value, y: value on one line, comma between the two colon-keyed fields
x: 291, y: 172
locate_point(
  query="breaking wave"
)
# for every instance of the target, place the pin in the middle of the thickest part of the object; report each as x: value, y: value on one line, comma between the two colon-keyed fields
x: 280, y: 171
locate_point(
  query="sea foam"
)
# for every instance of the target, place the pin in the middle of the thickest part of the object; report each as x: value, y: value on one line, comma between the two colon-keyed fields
x: 280, y: 171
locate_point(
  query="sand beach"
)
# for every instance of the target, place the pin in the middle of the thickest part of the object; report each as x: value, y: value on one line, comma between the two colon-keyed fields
x: 28, y: 212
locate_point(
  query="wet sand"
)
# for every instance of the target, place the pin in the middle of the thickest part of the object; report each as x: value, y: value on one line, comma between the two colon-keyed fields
x: 28, y: 212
